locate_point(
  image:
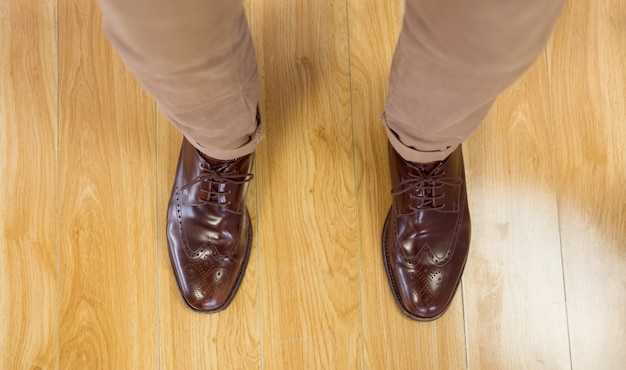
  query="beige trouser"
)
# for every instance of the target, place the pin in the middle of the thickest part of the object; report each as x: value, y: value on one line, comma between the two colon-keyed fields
x: 453, y: 58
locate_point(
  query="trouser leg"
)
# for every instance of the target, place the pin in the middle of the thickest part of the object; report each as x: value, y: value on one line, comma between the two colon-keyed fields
x: 197, y: 59
x: 452, y: 60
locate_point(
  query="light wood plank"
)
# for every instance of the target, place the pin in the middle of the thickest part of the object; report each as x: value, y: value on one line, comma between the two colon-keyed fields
x: 108, y: 203
x: 588, y: 90
x: 513, y: 283
x: 391, y: 340
x: 28, y: 184
x: 228, y: 339
x: 299, y: 305
x: 306, y: 221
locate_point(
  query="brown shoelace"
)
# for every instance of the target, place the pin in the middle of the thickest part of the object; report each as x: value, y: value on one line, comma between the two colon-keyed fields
x: 215, y: 176
x: 424, y: 185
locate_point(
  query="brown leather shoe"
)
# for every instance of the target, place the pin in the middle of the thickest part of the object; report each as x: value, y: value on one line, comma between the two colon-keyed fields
x: 427, y: 233
x: 208, y: 228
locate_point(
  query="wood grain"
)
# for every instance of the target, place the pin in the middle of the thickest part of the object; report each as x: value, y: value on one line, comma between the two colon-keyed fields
x: 191, y: 340
x: 28, y: 185
x: 587, y: 61
x: 306, y: 220
x: 513, y: 282
x: 108, y: 308
x: 391, y: 340
x: 86, y: 168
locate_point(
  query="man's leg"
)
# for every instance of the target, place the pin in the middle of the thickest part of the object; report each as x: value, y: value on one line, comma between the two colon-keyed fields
x: 452, y: 60
x: 196, y: 58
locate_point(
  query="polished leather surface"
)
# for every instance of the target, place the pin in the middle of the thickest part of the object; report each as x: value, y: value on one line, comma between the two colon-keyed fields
x: 427, y: 233
x: 208, y: 228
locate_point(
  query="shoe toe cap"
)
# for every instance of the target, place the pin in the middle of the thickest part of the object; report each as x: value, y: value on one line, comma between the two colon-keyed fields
x: 423, y: 296
x: 207, y: 290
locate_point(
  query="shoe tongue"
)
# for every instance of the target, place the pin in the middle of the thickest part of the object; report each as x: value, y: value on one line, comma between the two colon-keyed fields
x: 428, y: 167
x: 212, y: 161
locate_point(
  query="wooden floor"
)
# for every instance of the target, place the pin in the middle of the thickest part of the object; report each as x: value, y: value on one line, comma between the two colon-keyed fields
x: 87, y: 162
